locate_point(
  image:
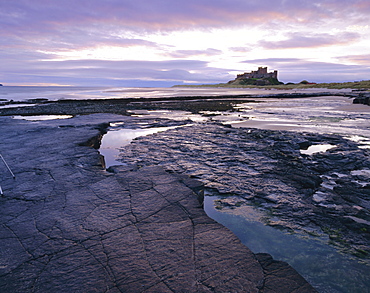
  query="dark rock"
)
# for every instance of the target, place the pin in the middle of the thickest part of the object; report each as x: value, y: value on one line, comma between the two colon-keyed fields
x: 304, y: 144
x: 69, y: 226
x: 362, y: 98
x: 280, y: 277
x: 37, y: 100
x: 307, y: 181
x: 266, y: 168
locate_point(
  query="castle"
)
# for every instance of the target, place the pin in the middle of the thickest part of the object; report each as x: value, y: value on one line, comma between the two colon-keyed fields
x: 260, y: 73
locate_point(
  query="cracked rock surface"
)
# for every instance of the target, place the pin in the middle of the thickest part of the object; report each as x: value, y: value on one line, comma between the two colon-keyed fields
x: 67, y: 225
x: 323, y: 192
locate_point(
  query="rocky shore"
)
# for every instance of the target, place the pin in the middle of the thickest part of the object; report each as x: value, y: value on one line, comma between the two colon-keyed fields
x: 70, y: 226
x: 66, y: 220
x: 194, y: 104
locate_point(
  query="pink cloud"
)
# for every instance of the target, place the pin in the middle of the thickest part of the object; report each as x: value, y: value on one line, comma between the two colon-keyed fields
x: 358, y: 59
x: 79, y: 24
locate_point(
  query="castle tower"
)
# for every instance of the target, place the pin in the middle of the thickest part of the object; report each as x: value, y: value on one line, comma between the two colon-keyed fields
x: 262, y: 70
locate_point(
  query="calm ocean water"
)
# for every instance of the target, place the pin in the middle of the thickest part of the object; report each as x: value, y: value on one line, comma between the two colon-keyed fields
x: 23, y: 93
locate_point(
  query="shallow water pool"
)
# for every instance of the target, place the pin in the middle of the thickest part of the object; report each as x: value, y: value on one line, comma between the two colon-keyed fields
x: 320, y: 264
x: 43, y: 117
x: 318, y: 148
x: 115, y: 139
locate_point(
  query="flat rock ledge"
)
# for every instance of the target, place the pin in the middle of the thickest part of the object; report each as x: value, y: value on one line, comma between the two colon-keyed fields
x: 67, y: 225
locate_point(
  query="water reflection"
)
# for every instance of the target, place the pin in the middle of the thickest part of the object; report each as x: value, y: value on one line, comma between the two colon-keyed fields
x: 364, y: 142
x: 318, y: 148
x: 320, y: 264
x: 167, y: 114
x: 43, y: 117
x: 117, y: 138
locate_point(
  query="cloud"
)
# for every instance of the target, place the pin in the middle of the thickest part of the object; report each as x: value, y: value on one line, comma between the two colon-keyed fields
x: 194, y: 53
x: 102, y: 72
x: 311, y: 40
x: 34, y: 16
x: 70, y: 24
x: 244, y: 49
x: 76, y: 39
x: 296, y: 70
x: 357, y: 59
x: 34, y: 32
x: 94, y: 40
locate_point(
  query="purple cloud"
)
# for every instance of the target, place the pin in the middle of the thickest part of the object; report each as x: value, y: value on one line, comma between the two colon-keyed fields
x: 68, y: 24
x: 194, y: 53
x: 26, y: 16
x: 29, y: 27
x: 295, y: 70
x: 244, y: 49
x: 113, y: 73
x: 310, y: 40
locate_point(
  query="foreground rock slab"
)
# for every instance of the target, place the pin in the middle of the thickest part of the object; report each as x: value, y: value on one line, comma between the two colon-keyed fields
x: 326, y: 192
x: 67, y: 225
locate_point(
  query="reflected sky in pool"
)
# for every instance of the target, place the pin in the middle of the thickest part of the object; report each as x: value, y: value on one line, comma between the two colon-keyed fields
x: 115, y: 139
x: 322, y: 265
x: 43, y: 117
x: 318, y: 148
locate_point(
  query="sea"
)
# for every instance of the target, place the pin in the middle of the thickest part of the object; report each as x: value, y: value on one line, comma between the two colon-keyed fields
x: 53, y: 93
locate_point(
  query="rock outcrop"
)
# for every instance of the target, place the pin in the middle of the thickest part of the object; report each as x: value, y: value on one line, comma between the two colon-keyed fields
x: 362, y: 98
x: 67, y: 225
x: 324, y: 192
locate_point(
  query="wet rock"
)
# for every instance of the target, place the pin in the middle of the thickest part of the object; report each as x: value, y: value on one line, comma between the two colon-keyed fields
x: 304, y: 144
x: 67, y: 225
x: 37, y: 101
x: 280, y: 277
x: 362, y: 98
x: 266, y: 168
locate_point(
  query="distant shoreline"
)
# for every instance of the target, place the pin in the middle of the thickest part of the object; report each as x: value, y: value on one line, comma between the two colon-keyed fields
x: 355, y: 85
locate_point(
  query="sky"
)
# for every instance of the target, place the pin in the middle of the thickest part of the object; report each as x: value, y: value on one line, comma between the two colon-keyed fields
x: 161, y: 43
